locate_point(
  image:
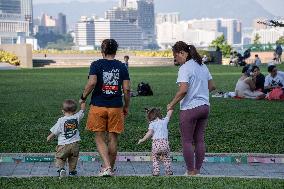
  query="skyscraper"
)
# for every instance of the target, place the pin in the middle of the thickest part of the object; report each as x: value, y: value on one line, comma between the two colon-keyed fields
x: 85, y: 32
x: 27, y: 12
x: 10, y: 6
x: 232, y: 30
x: 61, y: 24
x: 173, y: 17
x: 12, y: 23
x: 128, y: 35
x: 117, y: 13
x: 139, y: 12
x: 146, y: 21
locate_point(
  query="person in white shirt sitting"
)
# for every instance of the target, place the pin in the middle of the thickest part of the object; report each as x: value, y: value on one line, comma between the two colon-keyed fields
x: 274, y: 79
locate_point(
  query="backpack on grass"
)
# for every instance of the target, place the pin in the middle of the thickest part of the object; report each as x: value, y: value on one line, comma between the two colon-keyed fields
x: 144, y: 89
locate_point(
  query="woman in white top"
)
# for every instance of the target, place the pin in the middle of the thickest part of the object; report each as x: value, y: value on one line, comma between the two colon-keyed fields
x: 245, y: 87
x: 195, y: 82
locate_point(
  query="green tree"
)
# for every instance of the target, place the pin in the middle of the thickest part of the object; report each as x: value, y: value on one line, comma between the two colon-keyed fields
x: 280, y: 41
x: 221, y: 43
x: 256, y: 39
x: 256, y: 46
x: 53, y: 40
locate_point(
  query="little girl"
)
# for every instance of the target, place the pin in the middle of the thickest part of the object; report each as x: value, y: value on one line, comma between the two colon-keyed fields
x: 158, y: 130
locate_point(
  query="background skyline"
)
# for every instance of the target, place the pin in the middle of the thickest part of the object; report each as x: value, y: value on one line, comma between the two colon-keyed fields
x: 250, y: 9
x: 272, y: 6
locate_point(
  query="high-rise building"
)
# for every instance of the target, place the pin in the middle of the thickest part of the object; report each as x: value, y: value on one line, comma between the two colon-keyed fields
x: 128, y: 35
x: 231, y: 28
x: 173, y: 17
x: 117, y: 13
x: 140, y: 12
x: 61, y: 23
x: 132, y: 4
x: 146, y: 21
x: 270, y: 35
x: 168, y: 33
x: 13, y: 27
x: 232, y: 31
x: 27, y: 12
x: 208, y: 24
x: 47, y: 21
x: 123, y: 3
x: 85, y: 32
x: 10, y: 7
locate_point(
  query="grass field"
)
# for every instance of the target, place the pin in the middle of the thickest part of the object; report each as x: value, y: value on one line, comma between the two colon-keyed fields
x: 30, y: 102
x: 141, y: 182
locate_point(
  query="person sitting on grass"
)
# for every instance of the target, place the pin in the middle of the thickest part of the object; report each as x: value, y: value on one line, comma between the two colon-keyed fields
x: 274, y: 79
x: 67, y: 131
x: 245, y: 87
x: 158, y: 130
x: 259, y: 78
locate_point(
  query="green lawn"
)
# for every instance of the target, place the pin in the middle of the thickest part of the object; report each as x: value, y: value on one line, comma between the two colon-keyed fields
x: 141, y: 182
x: 30, y: 102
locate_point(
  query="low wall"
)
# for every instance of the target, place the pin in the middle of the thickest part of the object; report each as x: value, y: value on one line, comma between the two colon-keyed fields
x: 265, y: 57
x: 22, y: 51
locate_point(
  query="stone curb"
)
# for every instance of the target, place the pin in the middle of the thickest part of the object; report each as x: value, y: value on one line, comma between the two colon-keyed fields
x: 238, y: 158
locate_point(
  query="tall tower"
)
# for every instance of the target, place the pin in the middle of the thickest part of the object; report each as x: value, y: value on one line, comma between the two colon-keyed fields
x: 61, y: 23
x: 27, y: 13
x: 146, y: 21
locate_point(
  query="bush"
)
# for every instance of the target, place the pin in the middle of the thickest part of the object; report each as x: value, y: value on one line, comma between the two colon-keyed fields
x: 9, y: 58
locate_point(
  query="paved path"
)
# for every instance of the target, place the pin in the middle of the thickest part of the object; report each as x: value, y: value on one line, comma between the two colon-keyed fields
x: 143, y: 168
x: 5, y: 66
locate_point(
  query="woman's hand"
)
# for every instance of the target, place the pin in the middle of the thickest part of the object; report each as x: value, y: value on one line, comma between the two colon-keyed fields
x: 169, y: 107
x: 140, y: 141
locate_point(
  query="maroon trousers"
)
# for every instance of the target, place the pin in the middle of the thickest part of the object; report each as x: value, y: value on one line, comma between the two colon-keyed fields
x: 192, y: 126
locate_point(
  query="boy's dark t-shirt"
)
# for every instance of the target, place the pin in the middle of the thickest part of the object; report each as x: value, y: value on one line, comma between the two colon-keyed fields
x: 108, y: 90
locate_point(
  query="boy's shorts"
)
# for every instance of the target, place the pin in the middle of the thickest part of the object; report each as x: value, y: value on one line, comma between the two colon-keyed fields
x: 101, y: 119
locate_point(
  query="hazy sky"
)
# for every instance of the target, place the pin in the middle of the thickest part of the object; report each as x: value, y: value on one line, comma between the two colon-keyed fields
x: 273, y: 6
x: 66, y: 1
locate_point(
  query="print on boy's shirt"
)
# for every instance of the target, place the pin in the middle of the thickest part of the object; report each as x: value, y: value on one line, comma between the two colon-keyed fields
x: 70, y: 128
x: 110, y: 81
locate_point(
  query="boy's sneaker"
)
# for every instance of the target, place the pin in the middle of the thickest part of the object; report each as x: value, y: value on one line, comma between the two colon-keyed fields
x: 73, y: 173
x: 105, y: 172
x: 62, y: 172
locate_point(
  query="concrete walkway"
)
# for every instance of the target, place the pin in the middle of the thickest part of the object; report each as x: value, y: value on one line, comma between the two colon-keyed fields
x: 36, y: 167
x: 47, y: 169
x: 6, y: 66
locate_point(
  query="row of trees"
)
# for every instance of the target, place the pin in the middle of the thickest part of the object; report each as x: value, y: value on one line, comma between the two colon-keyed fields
x: 53, y: 40
x: 226, y: 49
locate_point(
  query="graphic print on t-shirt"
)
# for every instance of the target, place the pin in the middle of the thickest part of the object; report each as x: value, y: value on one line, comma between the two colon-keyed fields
x: 110, y: 81
x: 70, y: 128
x: 276, y: 82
